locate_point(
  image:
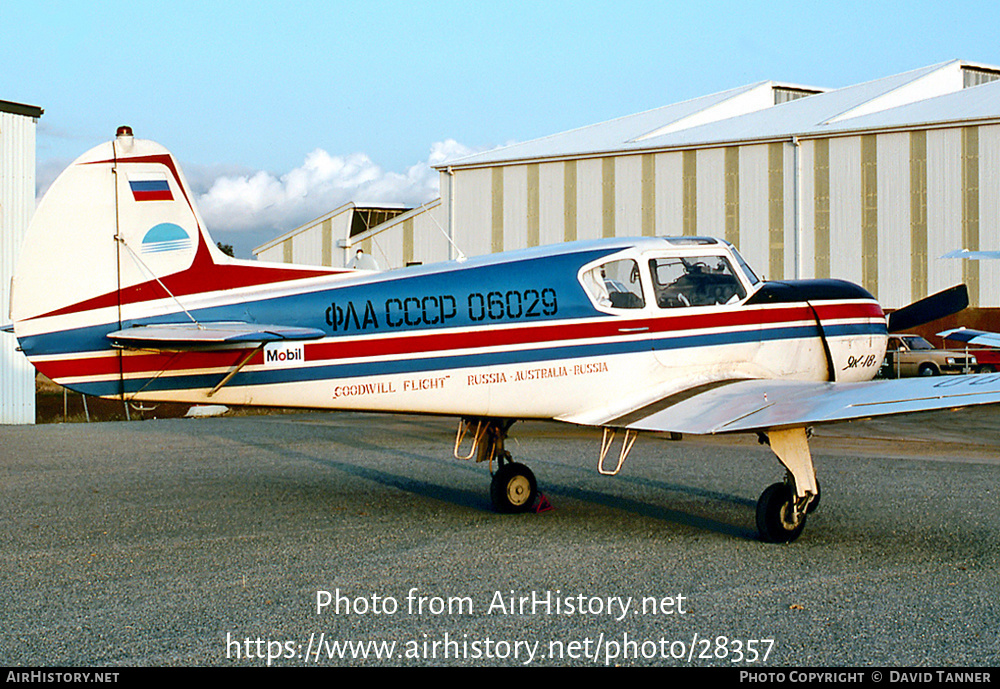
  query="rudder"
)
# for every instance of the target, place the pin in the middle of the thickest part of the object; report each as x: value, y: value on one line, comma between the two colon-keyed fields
x: 118, y: 219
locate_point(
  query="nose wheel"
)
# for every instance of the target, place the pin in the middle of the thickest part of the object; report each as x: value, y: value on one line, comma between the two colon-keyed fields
x: 778, y: 518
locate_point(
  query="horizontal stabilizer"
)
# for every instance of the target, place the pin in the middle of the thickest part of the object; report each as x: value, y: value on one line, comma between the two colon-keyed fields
x: 972, y: 337
x: 194, y: 334
x: 760, y: 405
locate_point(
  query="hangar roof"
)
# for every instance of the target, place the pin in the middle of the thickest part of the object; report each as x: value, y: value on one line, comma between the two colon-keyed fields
x: 613, y: 134
x: 364, y: 216
x: 928, y: 95
x: 20, y: 109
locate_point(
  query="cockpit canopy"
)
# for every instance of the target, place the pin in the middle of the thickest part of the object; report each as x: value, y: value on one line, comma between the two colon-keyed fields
x: 693, y: 271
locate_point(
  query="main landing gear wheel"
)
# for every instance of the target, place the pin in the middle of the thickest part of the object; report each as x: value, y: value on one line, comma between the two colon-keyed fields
x: 513, y: 488
x: 777, y: 519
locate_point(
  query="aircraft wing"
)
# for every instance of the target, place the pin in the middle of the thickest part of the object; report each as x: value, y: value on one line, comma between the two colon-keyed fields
x: 760, y: 405
x: 974, y: 255
x: 973, y: 337
x: 198, y: 334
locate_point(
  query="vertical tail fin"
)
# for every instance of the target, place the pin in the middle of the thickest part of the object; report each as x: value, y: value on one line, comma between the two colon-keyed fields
x: 119, y: 218
x: 117, y: 241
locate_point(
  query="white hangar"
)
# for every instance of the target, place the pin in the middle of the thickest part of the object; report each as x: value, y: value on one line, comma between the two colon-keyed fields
x: 327, y: 240
x: 17, y: 203
x: 871, y: 183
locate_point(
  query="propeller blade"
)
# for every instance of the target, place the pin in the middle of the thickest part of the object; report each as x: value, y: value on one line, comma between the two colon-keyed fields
x: 945, y: 303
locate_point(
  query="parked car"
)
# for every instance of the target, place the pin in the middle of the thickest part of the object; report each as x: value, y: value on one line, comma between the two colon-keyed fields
x: 912, y: 355
x: 989, y: 360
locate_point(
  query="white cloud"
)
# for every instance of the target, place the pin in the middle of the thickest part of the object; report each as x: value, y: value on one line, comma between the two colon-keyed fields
x: 247, y: 208
x: 257, y: 201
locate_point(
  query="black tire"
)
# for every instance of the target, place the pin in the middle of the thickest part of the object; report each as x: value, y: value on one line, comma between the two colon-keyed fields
x: 927, y: 370
x: 986, y: 368
x: 774, y: 511
x: 513, y: 489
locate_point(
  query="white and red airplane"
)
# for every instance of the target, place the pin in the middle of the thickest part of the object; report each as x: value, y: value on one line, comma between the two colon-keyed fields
x: 120, y: 292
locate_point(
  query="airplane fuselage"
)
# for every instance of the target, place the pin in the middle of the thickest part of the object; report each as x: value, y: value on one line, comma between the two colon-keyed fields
x: 569, y: 332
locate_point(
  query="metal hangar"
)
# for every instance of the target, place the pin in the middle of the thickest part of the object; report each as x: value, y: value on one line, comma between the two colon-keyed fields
x: 17, y: 203
x: 871, y: 183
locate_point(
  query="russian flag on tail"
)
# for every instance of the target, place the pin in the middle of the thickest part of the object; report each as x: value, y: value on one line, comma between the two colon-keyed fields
x: 150, y: 186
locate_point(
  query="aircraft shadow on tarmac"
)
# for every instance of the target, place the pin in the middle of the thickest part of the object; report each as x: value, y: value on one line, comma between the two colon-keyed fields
x: 479, y: 499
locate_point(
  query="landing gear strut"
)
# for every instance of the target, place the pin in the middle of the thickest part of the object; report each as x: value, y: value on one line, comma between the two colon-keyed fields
x: 513, y: 488
x: 782, y: 508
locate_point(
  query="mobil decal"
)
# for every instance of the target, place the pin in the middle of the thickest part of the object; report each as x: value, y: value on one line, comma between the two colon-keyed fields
x: 283, y: 353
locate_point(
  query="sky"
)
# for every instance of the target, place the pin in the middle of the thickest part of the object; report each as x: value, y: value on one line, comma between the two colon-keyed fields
x: 281, y: 112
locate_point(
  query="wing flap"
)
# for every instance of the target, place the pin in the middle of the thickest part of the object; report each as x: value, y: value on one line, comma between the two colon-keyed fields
x: 760, y: 405
x: 192, y: 335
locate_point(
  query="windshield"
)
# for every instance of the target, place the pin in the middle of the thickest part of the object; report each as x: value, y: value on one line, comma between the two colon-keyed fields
x: 915, y: 342
x: 694, y: 281
x: 747, y: 270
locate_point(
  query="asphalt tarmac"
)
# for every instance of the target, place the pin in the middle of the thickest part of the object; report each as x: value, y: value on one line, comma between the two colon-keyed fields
x: 355, y: 539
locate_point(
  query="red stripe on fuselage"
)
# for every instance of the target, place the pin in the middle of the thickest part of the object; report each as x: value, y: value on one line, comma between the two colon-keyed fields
x: 202, y: 276
x: 446, y: 342
x: 832, y: 312
x: 557, y: 333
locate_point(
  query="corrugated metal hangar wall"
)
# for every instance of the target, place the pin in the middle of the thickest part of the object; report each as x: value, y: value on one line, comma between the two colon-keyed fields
x: 393, y: 236
x: 876, y: 209
x: 870, y: 183
x: 17, y: 203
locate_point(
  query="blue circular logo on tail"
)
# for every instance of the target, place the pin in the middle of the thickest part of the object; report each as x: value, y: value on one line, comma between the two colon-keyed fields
x: 165, y: 237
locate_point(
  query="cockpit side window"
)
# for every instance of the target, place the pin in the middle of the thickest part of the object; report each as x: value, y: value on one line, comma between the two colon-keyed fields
x: 694, y: 281
x: 615, y: 284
